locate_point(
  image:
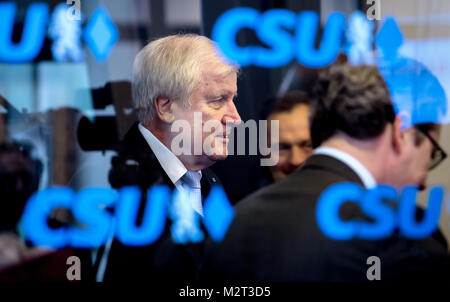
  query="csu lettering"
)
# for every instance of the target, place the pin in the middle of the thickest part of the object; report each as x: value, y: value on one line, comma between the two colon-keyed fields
x: 90, y: 207
x: 270, y: 28
x: 386, y: 218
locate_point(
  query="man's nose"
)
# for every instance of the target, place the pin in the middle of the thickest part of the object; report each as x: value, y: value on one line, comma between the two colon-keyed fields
x: 232, y: 115
x: 297, y: 157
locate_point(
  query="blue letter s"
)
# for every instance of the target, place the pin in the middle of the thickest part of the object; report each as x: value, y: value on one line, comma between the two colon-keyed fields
x: 271, y: 33
x: 384, y: 216
x: 90, y: 209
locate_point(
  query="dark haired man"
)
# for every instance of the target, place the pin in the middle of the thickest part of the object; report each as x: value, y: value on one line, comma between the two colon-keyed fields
x: 360, y: 139
x: 291, y: 110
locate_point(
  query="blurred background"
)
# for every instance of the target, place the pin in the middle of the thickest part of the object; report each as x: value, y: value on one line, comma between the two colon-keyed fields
x: 65, y: 92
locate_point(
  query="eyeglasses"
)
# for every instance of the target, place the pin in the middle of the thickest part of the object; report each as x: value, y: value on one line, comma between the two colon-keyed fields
x: 438, y: 154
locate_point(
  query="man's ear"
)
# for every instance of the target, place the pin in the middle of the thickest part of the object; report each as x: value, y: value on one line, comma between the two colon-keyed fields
x: 405, y: 119
x: 398, y: 134
x: 163, y: 107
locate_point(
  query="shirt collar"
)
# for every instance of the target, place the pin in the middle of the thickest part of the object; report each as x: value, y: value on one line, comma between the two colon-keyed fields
x: 171, y: 164
x: 364, y: 174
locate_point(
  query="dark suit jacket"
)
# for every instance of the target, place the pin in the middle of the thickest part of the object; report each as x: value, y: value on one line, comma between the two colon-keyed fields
x: 163, y: 260
x: 275, y: 237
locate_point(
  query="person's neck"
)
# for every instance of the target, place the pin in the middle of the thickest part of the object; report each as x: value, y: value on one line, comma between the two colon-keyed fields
x: 191, y: 162
x: 368, y: 152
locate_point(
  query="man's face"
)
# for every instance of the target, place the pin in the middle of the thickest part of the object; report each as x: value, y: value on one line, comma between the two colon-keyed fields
x: 294, y: 141
x: 15, y: 173
x: 416, y: 167
x: 214, y: 99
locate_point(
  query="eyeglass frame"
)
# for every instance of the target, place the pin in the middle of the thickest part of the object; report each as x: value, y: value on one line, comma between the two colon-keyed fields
x: 437, y: 148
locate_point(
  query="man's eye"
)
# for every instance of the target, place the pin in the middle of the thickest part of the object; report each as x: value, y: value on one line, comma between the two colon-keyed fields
x: 217, y: 103
x: 306, y: 145
x: 284, y: 146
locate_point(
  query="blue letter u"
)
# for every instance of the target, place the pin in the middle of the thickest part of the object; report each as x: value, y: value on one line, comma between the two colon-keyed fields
x: 306, y: 32
x: 407, y: 222
x: 32, y: 36
x: 154, y: 218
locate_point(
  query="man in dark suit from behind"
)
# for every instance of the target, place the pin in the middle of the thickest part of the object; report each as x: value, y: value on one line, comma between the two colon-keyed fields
x: 175, y: 79
x: 359, y: 139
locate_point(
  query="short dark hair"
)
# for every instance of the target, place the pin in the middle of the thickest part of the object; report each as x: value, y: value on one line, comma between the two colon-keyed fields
x: 289, y: 100
x: 351, y: 99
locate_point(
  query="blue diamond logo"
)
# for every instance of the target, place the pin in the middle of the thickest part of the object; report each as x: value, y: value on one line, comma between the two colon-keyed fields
x: 218, y: 213
x: 100, y: 34
x: 389, y: 38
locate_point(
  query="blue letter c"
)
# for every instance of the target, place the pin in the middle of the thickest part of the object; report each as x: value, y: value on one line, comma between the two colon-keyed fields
x: 327, y: 213
x: 34, y: 218
x: 225, y: 30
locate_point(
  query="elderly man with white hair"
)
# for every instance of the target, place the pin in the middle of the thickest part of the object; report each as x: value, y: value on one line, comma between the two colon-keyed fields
x: 179, y: 83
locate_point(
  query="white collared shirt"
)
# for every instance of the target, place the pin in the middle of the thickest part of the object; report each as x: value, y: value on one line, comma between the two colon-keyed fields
x: 171, y: 164
x: 366, y: 177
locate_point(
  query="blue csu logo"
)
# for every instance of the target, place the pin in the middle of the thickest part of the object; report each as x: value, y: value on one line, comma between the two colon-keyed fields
x: 288, y: 36
x: 100, y: 34
x: 270, y: 28
x: 274, y: 28
x: 90, y: 208
x: 97, y: 223
x: 385, y: 218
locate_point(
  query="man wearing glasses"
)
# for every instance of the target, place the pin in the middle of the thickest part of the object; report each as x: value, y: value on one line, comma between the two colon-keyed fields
x: 437, y: 153
x: 360, y: 137
x: 421, y: 150
x: 430, y: 132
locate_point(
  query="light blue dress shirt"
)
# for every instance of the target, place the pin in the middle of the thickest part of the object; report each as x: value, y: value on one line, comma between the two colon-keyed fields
x: 172, y: 165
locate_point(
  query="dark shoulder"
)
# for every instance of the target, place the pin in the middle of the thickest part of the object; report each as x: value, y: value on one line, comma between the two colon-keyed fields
x: 135, y: 163
x: 301, y: 187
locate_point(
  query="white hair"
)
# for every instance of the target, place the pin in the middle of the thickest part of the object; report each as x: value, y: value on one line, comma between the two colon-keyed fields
x: 171, y: 67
